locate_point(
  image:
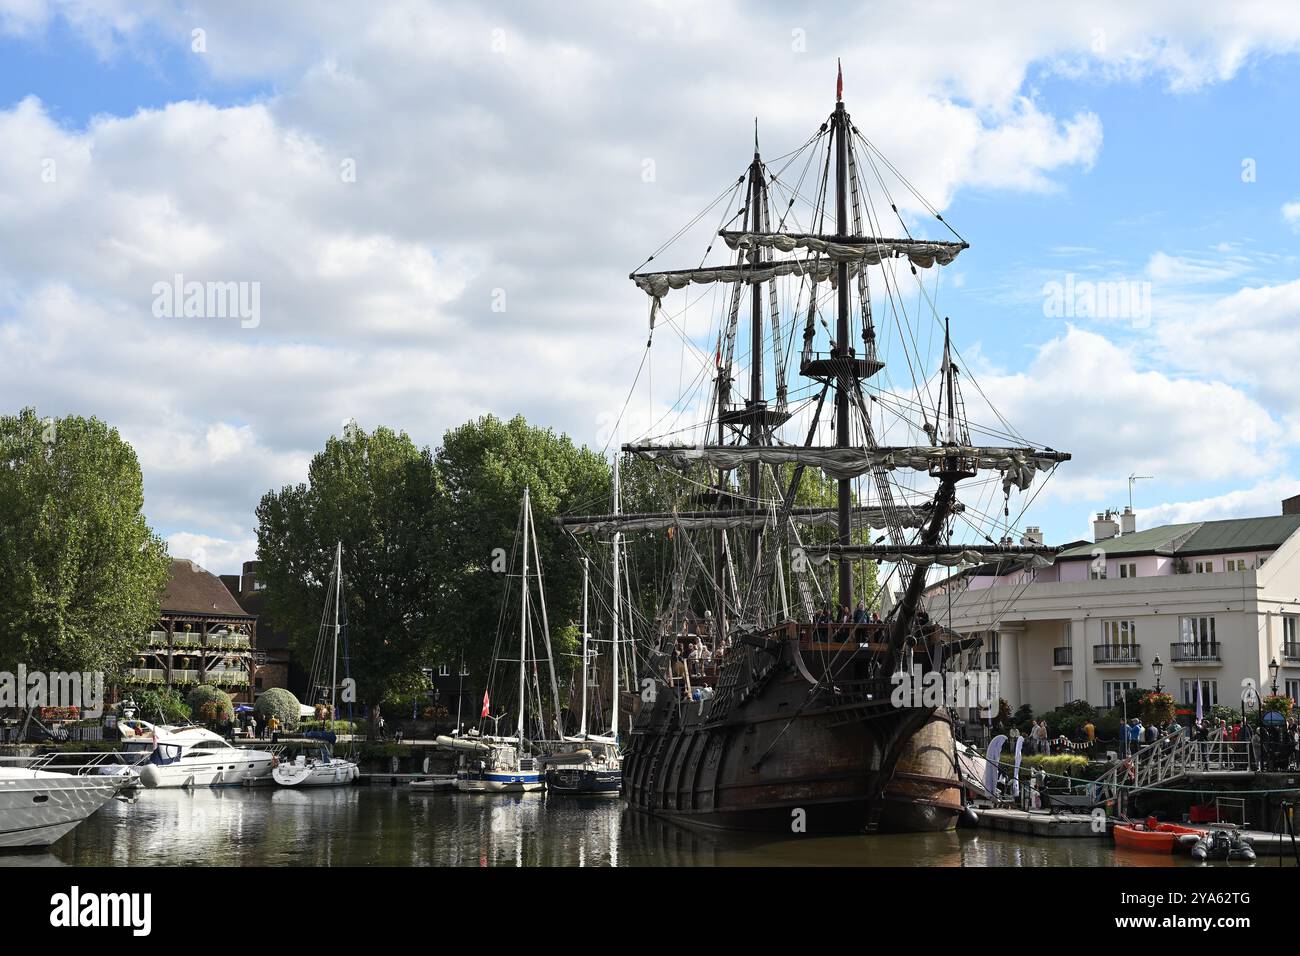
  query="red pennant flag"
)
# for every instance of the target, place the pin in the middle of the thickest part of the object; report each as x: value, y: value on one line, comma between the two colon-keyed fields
x: 839, y: 80
x: 486, y: 709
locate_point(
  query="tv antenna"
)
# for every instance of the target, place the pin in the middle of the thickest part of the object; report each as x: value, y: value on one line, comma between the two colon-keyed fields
x: 1131, y: 479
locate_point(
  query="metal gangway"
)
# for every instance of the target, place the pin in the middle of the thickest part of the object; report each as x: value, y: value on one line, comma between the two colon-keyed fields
x: 1172, y: 760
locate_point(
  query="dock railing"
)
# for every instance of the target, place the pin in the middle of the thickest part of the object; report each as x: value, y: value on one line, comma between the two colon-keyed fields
x: 1174, y: 758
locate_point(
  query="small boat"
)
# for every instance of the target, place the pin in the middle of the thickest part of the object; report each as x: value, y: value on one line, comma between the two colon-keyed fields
x: 320, y: 768
x: 590, y: 770
x: 1222, y: 843
x: 438, y: 783
x: 590, y: 764
x: 492, y: 765
x: 40, y: 805
x: 495, y: 764
x: 1155, y: 837
x: 315, y: 770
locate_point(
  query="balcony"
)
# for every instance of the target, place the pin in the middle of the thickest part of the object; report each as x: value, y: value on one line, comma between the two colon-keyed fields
x: 185, y: 639
x: 1062, y: 656
x: 1200, y: 652
x: 158, y: 638
x: 227, y: 676
x: 228, y: 642
x: 146, y: 675
x: 1291, y: 653
x: 1117, y: 655
x: 186, y: 676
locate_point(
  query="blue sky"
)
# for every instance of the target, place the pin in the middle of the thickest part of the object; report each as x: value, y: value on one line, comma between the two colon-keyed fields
x: 501, y: 148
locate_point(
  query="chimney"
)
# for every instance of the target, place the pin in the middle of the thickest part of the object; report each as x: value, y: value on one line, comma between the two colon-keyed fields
x: 248, y: 580
x: 1291, y: 506
x: 1128, y: 521
x: 1032, y: 536
x: 1104, y: 527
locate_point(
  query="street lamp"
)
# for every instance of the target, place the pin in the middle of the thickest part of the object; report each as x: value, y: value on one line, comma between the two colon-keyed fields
x: 1272, y: 674
x: 1157, y: 666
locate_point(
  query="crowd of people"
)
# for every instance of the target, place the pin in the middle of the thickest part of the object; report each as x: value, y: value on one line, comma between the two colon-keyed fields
x: 692, y: 662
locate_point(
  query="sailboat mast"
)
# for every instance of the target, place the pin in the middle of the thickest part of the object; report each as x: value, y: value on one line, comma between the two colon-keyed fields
x: 755, y: 340
x: 582, y: 730
x: 523, y: 629
x: 840, y: 122
x: 618, y: 600
x: 338, y: 590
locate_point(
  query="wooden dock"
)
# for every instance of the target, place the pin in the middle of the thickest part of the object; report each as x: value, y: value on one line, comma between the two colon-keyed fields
x: 1040, y: 823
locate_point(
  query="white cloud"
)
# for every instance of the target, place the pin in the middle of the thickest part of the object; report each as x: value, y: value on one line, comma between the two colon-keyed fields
x: 493, y: 161
x: 1260, y: 499
x: 1085, y: 395
x: 1291, y: 213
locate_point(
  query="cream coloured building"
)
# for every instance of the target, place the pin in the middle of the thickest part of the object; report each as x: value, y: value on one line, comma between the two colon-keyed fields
x: 1212, y: 601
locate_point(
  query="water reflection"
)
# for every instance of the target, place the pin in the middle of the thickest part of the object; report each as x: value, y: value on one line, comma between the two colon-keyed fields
x: 365, y: 826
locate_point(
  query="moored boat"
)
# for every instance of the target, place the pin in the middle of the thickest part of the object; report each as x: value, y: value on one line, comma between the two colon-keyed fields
x: 40, y: 805
x: 1154, y: 837
x: 319, y: 767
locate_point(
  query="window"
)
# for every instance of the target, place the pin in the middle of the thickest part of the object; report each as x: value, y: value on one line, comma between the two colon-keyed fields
x: 1097, y: 571
x: 1197, y: 634
x: 1128, y: 570
x: 1293, y: 689
x: 991, y: 643
x: 1236, y: 564
x: 1288, y: 630
x: 1209, y: 693
x: 1119, y: 634
x: 1067, y: 691
x: 1205, y: 567
x: 1114, y: 690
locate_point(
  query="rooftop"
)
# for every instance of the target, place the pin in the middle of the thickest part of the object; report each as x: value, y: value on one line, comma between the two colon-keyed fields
x: 191, y: 589
x: 1198, y: 537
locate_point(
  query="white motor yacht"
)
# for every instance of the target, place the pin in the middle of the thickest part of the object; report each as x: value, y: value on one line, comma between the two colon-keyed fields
x: 44, y: 798
x: 195, y: 757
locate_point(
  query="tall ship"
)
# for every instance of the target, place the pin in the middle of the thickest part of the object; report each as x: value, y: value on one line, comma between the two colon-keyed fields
x: 798, y: 497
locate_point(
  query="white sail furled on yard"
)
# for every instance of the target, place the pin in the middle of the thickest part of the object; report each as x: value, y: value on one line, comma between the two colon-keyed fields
x: 867, y: 250
x: 659, y: 284
x: 950, y: 557
x: 1017, y: 465
x: 862, y: 517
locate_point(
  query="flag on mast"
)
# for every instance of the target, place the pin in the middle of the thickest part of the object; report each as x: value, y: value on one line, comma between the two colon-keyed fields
x: 839, y: 81
x: 486, y: 710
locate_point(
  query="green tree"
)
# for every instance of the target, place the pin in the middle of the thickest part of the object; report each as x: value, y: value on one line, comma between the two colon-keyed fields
x: 81, y: 573
x: 212, y: 705
x: 379, y: 495
x: 483, y: 468
x: 279, y: 703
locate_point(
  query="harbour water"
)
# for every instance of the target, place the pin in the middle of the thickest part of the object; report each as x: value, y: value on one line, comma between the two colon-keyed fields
x: 382, y: 826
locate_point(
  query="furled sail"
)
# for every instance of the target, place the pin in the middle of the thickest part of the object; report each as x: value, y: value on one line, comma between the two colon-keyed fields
x: 945, y: 555
x: 867, y: 249
x: 658, y: 284
x: 748, y: 519
x: 1017, y: 465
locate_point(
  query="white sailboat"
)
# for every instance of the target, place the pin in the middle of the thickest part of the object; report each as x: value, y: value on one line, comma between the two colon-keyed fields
x: 493, y: 764
x: 321, y: 768
x: 593, y: 765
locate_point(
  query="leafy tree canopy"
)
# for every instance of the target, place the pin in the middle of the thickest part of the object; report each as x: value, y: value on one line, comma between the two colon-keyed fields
x: 81, y: 573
